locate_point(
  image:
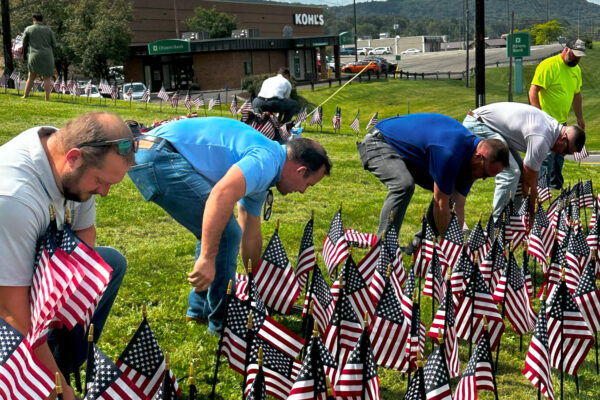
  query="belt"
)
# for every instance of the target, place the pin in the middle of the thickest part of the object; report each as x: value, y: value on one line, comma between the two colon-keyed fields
x: 477, y: 117
x: 148, y: 141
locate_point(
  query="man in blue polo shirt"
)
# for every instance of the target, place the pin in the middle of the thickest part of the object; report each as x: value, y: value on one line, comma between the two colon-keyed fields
x: 437, y: 153
x: 197, y: 169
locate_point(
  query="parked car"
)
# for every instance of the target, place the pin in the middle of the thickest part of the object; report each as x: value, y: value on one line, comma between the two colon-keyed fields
x: 410, y: 51
x: 381, y: 50
x: 94, y: 93
x: 347, y: 51
x: 358, y: 66
x: 384, y: 64
x: 138, y: 91
x: 364, y: 51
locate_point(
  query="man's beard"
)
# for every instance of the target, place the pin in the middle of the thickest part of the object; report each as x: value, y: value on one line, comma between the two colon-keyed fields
x: 571, y: 63
x: 70, y: 183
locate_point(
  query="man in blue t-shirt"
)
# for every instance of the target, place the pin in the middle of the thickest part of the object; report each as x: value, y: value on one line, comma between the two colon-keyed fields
x: 434, y: 151
x: 197, y: 169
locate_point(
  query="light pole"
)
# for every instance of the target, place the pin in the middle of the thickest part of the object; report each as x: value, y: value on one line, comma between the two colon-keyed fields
x: 355, y: 35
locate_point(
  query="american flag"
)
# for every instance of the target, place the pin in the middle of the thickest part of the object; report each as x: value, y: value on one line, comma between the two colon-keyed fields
x: 234, y: 334
x: 322, y: 300
x: 130, y: 92
x: 512, y: 293
x: 335, y: 247
x: 22, y: 374
x: 416, y: 386
x: 317, y: 118
x: 479, y: 374
x: 568, y: 333
x: 15, y: 76
x: 88, y: 88
x: 527, y: 274
x: 36, y: 85
x: 389, y: 256
x: 264, y: 126
x: 63, y: 87
x: 280, y: 369
x: 476, y: 243
x: 540, y: 236
x: 142, y: 361
x: 355, y: 124
x: 552, y: 276
x: 451, y: 241
x: 360, y: 239
x: 580, y: 155
x: 146, y: 95
x: 357, y: 290
x: 188, y: 100
x: 407, y: 293
x: 416, y: 339
x: 245, y: 290
x: 169, y: 389
x: 424, y: 253
x: 592, y: 237
x: 275, y: 278
x: 258, y: 389
x: 389, y: 331
x: 359, y: 373
x: 114, y: 92
x: 437, y: 381
x: 246, y: 110
x: 493, y: 264
x: 577, y: 254
x: 343, y: 329
x: 301, y: 117
x: 109, y: 382
x: 96, y: 273
x: 306, y: 255
x: 215, y: 101
x: 435, y: 285
x: 284, y: 133
x: 233, y: 107
x: 4, y: 79
x: 537, y: 362
x: 198, y: 102
x: 372, y: 121
x: 461, y: 273
x: 175, y: 99
x: 477, y: 291
x: 337, y: 119
x: 104, y: 87
x: 587, y: 297
x: 162, y: 94
x: 594, y: 216
x: 444, y: 325
x: 519, y: 222
x: 318, y: 361
x: 586, y: 194
x: 543, y: 190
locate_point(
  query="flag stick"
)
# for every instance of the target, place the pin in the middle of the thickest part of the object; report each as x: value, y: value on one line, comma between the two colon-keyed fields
x: 562, y: 367
x: 90, y: 358
x: 249, y: 339
x: 221, y: 109
x: 363, y: 351
x: 502, y: 317
x: 204, y: 106
x: 161, y: 105
x: 307, y: 332
x: 472, y: 315
x: 534, y: 276
x: 520, y: 343
x: 59, y: 392
x: 313, y: 355
x: 220, y: 345
x: 192, y: 383
x: 596, y: 346
x: 338, y: 325
x: 577, y: 383
x: 308, y: 316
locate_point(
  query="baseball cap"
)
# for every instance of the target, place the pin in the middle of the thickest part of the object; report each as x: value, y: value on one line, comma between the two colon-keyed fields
x: 578, y: 47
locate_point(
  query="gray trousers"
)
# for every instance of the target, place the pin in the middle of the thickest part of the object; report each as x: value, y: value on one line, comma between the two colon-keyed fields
x: 388, y: 166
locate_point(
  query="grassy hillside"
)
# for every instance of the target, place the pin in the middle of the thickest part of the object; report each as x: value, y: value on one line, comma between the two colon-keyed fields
x: 160, y: 252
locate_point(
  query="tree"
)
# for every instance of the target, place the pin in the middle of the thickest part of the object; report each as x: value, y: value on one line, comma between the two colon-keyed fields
x: 217, y: 24
x: 548, y: 32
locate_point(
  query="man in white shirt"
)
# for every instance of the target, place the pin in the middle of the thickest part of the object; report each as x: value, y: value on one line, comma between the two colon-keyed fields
x: 525, y: 129
x: 274, y: 96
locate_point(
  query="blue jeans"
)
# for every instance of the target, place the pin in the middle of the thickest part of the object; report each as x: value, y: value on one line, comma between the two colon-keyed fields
x: 285, y: 107
x: 553, y: 166
x: 508, y: 179
x: 70, y: 348
x: 169, y: 180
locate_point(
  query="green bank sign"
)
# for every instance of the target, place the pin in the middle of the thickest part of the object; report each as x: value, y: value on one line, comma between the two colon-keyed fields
x: 168, y: 46
x: 520, y: 43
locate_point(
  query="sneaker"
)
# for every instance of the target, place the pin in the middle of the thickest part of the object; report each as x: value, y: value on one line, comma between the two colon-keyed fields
x: 198, y: 320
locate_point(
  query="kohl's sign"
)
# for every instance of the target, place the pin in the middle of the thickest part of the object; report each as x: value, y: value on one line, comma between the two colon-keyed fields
x: 308, y: 19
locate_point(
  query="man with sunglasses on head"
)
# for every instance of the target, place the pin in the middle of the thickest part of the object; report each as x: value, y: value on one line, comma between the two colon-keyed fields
x: 555, y: 88
x: 526, y: 129
x: 197, y: 169
x: 435, y: 152
x: 64, y: 167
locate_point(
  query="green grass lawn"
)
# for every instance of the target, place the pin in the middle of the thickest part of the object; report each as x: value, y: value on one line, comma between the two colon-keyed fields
x: 160, y: 252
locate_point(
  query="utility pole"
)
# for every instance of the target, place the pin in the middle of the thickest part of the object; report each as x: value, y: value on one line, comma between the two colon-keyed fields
x: 510, y: 62
x: 479, y: 53
x: 6, y: 41
x: 467, y: 40
x: 176, y: 19
x: 355, y: 36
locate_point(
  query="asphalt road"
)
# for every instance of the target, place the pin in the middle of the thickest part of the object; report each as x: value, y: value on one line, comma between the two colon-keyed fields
x: 593, y: 159
x: 454, y: 61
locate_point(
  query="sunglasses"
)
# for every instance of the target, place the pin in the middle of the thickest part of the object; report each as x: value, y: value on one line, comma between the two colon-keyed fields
x: 124, y: 146
x: 268, y: 206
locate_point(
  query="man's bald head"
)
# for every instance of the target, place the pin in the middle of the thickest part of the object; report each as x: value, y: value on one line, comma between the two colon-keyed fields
x: 92, y: 128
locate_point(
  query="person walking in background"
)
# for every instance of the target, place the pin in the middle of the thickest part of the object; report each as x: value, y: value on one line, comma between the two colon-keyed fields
x: 555, y: 87
x: 38, y: 42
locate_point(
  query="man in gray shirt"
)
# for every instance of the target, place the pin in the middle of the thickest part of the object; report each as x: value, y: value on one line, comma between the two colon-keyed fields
x: 525, y: 129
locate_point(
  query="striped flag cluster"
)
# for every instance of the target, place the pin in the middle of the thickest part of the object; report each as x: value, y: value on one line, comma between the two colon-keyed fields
x: 355, y: 124
x: 162, y: 94
x: 374, y: 119
x: 214, y: 102
x: 317, y: 118
x: 335, y: 246
x: 337, y: 119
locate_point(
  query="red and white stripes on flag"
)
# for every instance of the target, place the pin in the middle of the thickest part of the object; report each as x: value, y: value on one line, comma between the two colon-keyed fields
x: 335, y: 246
x: 479, y: 374
x: 587, y: 297
x: 306, y: 255
x: 444, y: 324
x: 360, y: 239
x: 22, y: 374
x: 355, y: 124
x: 537, y: 362
x: 359, y: 373
x: 275, y: 278
x: 451, y: 241
x: 580, y: 155
x: 373, y: 120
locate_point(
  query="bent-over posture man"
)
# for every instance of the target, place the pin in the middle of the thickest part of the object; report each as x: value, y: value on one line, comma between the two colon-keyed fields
x: 197, y: 169
x: 437, y: 153
x: 46, y: 166
x: 525, y: 129
x: 274, y: 96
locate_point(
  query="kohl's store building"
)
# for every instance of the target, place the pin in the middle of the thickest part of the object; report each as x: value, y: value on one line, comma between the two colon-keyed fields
x: 163, y: 51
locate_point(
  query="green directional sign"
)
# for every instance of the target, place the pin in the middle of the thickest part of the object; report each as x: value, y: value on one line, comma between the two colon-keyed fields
x: 346, y: 38
x: 168, y: 46
x: 520, y: 44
